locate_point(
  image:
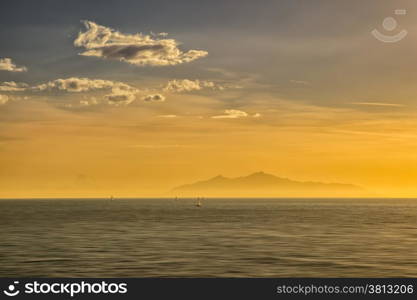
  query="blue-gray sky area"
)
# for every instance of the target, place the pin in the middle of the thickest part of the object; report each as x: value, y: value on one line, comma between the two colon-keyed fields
x: 326, y: 43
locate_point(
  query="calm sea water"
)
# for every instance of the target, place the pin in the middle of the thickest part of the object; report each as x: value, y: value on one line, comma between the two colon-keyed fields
x: 223, y: 238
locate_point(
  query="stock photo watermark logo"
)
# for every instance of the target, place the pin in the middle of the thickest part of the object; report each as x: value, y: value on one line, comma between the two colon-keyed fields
x: 390, y: 24
x: 12, y: 290
x: 60, y: 288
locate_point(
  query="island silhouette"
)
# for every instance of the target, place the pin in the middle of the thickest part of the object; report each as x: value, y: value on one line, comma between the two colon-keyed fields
x: 261, y: 184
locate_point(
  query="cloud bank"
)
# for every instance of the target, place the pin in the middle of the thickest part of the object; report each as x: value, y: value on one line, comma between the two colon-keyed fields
x: 6, y: 64
x: 77, y: 85
x: 137, y: 49
x: 120, y: 93
x: 117, y: 93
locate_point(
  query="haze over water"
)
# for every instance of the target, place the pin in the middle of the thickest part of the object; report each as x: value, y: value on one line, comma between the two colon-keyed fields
x: 223, y: 238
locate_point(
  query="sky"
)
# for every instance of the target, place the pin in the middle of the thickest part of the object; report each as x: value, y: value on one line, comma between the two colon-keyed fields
x: 133, y: 98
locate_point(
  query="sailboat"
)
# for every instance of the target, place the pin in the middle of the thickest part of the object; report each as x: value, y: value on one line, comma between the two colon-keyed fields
x: 111, y: 198
x: 199, y: 204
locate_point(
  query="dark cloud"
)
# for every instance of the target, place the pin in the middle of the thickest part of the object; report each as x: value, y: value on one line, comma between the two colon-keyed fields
x: 129, y: 52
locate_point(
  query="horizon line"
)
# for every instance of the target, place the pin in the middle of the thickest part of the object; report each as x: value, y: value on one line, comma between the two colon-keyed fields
x: 214, y: 198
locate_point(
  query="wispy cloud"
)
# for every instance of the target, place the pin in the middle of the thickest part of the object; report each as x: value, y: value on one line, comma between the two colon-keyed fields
x: 223, y: 72
x: 377, y: 104
x: 6, y: 64
x: 381, y: 134
x: 137, y: 49
x: 232, y: 114
x: 168, y: 116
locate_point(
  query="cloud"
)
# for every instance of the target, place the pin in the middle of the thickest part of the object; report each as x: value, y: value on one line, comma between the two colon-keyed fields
x: 154, y: 98
x: 257, y: 115
x: 168, y: 116
x: 121, y: 93
x: 232, y: 114
x: 186, y: 85
x: 6, y: 64
x: 120, y: 98
x: 136, y: 49
x: 4, y: 99
x: 71, y: 85
x: 77, y: 85
x: 11, y: 86
x: 377, y: 104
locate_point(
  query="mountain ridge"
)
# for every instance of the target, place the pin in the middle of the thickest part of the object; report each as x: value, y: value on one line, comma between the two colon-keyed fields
x: 264, y: 184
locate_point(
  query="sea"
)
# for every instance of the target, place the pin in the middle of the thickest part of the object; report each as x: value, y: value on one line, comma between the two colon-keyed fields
x: 222, y: 238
